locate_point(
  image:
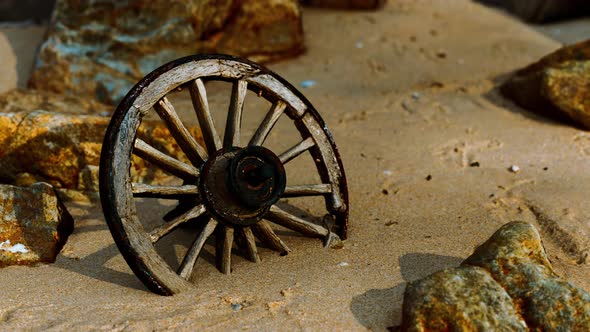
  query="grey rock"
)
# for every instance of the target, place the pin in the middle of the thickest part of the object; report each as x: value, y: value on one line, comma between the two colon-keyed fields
x: 100, y: 49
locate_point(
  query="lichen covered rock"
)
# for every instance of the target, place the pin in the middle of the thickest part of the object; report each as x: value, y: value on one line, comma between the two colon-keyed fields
x: 516, y: 259
x: 63, y: 148
x: 558, y: 84
x: 34, y: 225
x: 27, y: 100
x: 459, y: 299
x: 102, y: 48
x: 508, y: 284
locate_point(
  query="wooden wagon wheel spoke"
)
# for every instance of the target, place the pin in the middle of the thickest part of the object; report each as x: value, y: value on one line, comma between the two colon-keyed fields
x: 201, y: 105
x: 264, y: 232
x: 308, y: 190
x: 231, y: 189
x: 193, y: 150
x: 234, y: 116
x: 296, y: 150
x: 157, y: 233
x: 169, y: 192
x: 247, y: 242
x: 189, y: 260
x: 224, y: 243
x: 164, y: 161
x: 268, y: 122
x: 183, y: 207
x: 285, y: 219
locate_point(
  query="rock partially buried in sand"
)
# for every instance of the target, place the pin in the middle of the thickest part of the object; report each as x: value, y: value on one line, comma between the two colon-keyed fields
x: 34, y: 225
x: 507, y: 284
x: 516, y: 259
x: 63, y: 147
x: 101, y: 49
x: 450, y: 300
x: 558, y: 84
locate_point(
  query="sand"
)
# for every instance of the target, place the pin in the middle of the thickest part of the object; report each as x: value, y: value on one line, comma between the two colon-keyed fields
x: 408, y: 93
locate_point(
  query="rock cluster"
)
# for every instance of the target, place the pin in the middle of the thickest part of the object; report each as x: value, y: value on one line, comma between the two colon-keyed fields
x: 558, y: 84
x: 58, y: 140
x: 101, y: 48
x: 508, y: 284
x: 34, y: 224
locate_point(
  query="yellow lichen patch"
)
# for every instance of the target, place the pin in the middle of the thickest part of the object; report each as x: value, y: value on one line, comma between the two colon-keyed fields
x: 568, y: 87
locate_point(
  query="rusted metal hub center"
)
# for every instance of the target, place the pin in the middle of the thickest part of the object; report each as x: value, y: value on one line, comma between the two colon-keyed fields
x: 238, y: 185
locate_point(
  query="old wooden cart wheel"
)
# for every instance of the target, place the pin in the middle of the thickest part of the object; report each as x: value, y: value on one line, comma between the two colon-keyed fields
x: 231, y: 188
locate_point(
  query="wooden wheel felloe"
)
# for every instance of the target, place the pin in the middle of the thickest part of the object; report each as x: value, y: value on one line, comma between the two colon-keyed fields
x: 230, y: 188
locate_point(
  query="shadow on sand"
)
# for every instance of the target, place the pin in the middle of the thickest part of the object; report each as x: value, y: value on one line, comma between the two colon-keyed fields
x: 378, y: 309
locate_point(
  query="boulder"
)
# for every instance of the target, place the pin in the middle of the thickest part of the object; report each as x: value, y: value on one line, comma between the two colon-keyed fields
x: 451, y: 300
x: 557, y: 85
x: 100, y: 49
x: 34, y: 224
x: 508, y: 284
x: 27, y: 100
x: 516, y: 259
x: 39, y: 143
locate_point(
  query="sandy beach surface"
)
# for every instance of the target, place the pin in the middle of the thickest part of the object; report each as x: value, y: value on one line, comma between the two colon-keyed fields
x: 427, y: 142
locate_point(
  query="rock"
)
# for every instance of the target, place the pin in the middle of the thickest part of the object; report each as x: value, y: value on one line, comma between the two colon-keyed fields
x: 556, y: 85
x: 542, y: 10
x: 23, y: 101
x: 451, y: 300
x: 100, y: 49
x: 34, y: 225
x: 345, y: 4
x: 508, y: 284
x: 516, y: 259
x: 63, y: 149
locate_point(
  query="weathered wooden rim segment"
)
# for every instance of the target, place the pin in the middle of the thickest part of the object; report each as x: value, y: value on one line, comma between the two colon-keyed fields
x: 117, y: 190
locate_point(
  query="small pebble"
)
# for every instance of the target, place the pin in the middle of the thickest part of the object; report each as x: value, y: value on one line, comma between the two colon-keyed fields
x: 286, y: 292
x: 514, y: 169
x: 236, y: 306
x: 441, y: 54
x: 359, y: 44
x: 307, y: 84
x: 429, y: 177
x: 387, y: 172
x: 105, y: 114
x: 416, y: 95
x: 343, y: 264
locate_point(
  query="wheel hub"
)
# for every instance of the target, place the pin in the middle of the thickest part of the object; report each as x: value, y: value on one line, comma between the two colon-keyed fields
x: 238, y: 185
